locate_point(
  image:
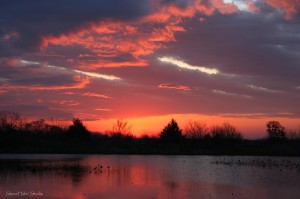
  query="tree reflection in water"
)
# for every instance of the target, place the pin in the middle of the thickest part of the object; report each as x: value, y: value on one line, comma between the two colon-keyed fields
x: 71, y: 169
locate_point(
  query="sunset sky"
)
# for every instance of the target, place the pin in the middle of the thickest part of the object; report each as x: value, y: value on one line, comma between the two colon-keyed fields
x: 150, y: 60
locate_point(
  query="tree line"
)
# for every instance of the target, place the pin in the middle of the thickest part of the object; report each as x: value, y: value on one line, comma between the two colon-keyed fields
x: 40, y: 136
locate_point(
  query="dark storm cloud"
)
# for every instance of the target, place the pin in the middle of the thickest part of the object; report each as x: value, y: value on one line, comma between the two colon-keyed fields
x: 180, y: 3
x: 261, y: 51
x: 264, y: 47
x: 32, y: 19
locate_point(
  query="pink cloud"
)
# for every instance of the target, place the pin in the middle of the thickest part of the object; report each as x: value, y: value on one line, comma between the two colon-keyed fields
x: 89, y: 94
x: 288, y: 7
x: 69, y: 103
x: 177, y: 87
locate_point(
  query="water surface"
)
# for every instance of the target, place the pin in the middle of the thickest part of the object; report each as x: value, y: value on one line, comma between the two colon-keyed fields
x: 153, y: 177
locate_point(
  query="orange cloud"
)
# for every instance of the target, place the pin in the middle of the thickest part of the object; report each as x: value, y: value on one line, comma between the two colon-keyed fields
x: 69, y: 93
x: 288, y: 7
x: 106, y: 39
x: 177, y: 87
x: 81, y: 83
x: 109, y: 40
x: 103, y: 109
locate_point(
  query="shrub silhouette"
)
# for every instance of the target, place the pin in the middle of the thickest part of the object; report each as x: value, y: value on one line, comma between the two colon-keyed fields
x: 78, y: 130
x: 275, y: 131
x: 171, y: 132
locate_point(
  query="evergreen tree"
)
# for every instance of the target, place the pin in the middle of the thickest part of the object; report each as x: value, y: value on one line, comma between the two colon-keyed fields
x: 171, y: 132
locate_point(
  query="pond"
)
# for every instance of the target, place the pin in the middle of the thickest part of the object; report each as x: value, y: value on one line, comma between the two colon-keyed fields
x: 152, y: 177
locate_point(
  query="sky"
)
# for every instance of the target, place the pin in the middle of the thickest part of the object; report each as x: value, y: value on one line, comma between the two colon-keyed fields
x: 148, y: 61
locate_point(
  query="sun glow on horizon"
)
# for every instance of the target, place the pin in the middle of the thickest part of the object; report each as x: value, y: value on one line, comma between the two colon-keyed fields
x: 252, y: 126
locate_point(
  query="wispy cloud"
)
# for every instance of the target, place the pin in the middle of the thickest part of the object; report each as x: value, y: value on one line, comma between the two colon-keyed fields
x: 69, y: 103
x: 181, y: 64
x: 258, y: 115
x: 89, y: 74
x: 97, y: 75
x: 263, y: 89
x: 219, y: 92
x: 103, y: 109
x: 3, y: 79
x: 87, y: 116
x: 82, y: 83
x: 2, y: 91
x: 177, y: 87
x: 89, y: 94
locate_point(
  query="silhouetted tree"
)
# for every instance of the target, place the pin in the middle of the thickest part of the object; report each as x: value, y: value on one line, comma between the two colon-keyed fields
x: 38, y: 126
x: 275, y: 131
x: 40, y: 136
x: 171, y: 132
x: 78, y: 130
x: 225, y: 132
x: 10, y: 121
x: 55, y: 130
x: 196, y: 130
x: 121, y: 127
